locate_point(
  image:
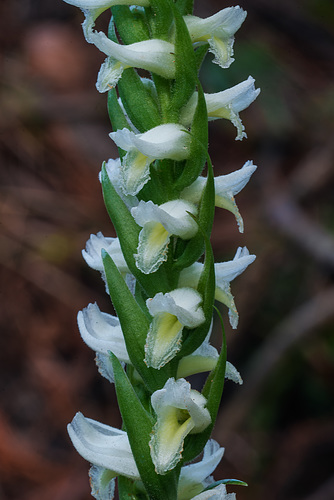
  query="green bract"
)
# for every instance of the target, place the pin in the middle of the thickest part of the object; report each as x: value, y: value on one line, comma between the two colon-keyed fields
x: 159, y: 270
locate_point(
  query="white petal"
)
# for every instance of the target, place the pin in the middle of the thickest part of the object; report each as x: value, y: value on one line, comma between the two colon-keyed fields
x: 184, y: 303
x: 197, y: 476
x: 153, y: 55
x: 159, y: 222
x: 103, y: 445
x: 225, y: 104
x: 233, y: 374
x: 218, y: 30
x: 152, y: 247
x: 226, y: 187
x: 94, y: 246
x: 113, y: 168
x: 109, y: 74
x: 102, y: 332
x: 171, y: 312
x: 102, y: 483
x: 164, y: 141
x: 173, y: 215
x: 224, y: 24
x: 228, y: 271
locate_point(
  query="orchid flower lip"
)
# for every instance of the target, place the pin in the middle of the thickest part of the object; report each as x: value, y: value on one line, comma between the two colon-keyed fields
x: 171, y: 312
x: 180, y: 411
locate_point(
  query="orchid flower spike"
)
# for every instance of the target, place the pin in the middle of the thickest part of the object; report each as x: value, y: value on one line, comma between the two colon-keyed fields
x: 94, y: 8
x: 195, y: 477
x: 180, y: 411
x: 159, y: 223
x: 217, y: 30
x: 225, y: 104
x: 171, y: 312
x: 225, y: 272
x: 164, y: 141
x: 103, y: 446
x: 226, y: 187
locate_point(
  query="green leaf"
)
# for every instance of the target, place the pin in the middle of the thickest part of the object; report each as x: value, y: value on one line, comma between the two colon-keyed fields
x: 138, y: 102
x: 198, y: 147
x: 193, y: 249
x: 185, y: 65
x: 131, y: 24
x: 116, y: 115
x: 185, y: 6
x: 236, y: 482
x: 128, y: 231
x: 161, y: 18
x: 139, y: 423
x: 134, y: 324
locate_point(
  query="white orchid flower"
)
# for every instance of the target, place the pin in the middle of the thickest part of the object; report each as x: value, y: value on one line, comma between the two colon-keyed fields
x: 204, y: 359
x: 93, y: 257
x: 102, y: 483
x: 217, y: 493
x: 102, y: 332
x: 114, y: 171
x: 226, y: 187
x: 225, y: 104
x: 152, y: 55
x: 195, y: 477
x: 225, y: 272
x: 180, y: 411
x: 171, y: 312
x: 94, y: 8
x: 159, y: 222
x: 217, y: 30
x: 164, y: 141
x: 103, y: 446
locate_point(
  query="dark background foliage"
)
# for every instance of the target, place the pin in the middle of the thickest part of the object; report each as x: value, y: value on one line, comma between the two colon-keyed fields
x: 278, y: 427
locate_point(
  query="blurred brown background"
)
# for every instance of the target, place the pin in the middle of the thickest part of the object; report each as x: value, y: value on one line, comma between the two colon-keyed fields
x: 277, y: 428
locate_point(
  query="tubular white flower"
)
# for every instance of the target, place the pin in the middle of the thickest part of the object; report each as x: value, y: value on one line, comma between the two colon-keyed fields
x: 94, y: 8
x: 102, y: 332
x: 217, y: 30
x: 225, y: 272
x: 226, y: 187
x: 103, y: 445
x: 180, y: 411
x: 171, y: 313
x: 204, y: 359
x: 225, y: 104
x: 102, y: 483
x: 159, y: 223
x: 94, y: 246
x: 217, y: 493
x: 164, y: 141
x: 197, y: 476
x: 152, y: 55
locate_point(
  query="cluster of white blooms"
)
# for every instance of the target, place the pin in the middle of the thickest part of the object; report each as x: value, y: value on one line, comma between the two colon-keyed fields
x: 162, y: 209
